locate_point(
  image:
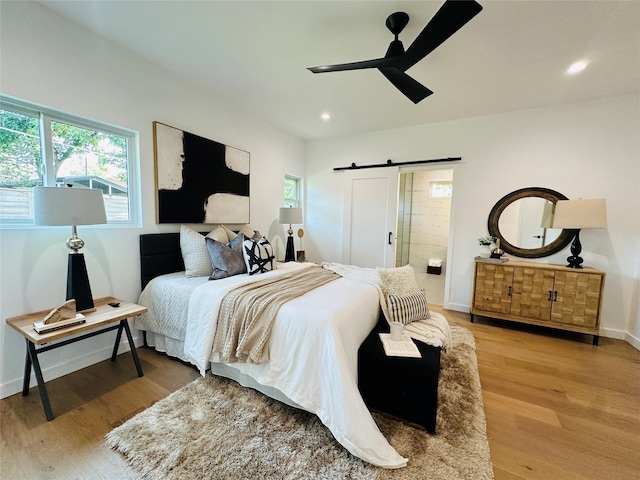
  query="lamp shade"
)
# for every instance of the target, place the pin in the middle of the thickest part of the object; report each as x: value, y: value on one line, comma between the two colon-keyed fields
x: 68, y: 206
x: 291, y: 215
x: 578, y: 214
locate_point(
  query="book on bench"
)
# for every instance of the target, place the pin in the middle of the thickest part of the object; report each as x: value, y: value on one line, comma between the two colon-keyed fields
x: 402, y: 348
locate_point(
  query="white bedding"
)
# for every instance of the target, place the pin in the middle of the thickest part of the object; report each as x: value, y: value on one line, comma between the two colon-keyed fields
x: 313, y: 348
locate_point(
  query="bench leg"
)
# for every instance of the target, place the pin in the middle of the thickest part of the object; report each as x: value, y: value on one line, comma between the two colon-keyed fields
x: 27, y: 373
x: 118, y: 337
x: 124, y: 325
x: 41, y: 386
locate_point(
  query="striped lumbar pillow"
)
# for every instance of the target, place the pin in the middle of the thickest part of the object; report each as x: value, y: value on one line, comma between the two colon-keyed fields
x: 408, y: 307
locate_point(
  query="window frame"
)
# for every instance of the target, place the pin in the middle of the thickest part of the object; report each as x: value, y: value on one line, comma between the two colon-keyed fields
x: 288, y: 202
x: 45, y: 116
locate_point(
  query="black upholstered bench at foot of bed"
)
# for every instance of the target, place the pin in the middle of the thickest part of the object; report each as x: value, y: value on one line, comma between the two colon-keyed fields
x: 401, y: 386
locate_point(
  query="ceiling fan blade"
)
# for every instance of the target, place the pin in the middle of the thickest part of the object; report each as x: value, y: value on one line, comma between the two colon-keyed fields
x: 452, y: 16
x: 412, y: 89
x: 375, y: 63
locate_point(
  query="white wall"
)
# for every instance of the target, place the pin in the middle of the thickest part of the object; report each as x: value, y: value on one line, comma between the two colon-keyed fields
x: 47, y: 60
x: 585, y: 150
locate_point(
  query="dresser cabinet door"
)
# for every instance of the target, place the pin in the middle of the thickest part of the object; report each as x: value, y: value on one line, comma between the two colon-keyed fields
x: 532, y: 293
x: 493, y: 287
x: 576, y: 299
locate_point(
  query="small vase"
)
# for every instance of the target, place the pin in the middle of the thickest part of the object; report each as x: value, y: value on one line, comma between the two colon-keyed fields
x: 485, y: 251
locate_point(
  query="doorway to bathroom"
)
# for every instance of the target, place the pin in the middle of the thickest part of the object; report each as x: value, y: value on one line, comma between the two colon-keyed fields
x: 424, y: 212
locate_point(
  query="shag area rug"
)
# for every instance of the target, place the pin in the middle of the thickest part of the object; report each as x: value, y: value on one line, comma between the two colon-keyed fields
x: 215, y: 429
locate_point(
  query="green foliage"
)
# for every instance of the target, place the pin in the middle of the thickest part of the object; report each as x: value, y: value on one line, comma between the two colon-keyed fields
x: 291, y: 192
x: 19, y: 149
x: 21, y: 156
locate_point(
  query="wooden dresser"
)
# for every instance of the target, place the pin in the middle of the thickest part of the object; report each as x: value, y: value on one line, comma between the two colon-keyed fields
x: 539, y: 294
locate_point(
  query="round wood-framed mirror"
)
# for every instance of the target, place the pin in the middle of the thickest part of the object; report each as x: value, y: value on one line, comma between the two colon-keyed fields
x: 522, y: 221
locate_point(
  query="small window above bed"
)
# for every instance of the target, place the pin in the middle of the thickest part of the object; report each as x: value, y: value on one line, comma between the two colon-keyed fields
x: 291, y: 191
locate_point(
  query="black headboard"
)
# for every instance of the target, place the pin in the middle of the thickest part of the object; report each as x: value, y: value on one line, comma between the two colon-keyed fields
x: 159, y: 254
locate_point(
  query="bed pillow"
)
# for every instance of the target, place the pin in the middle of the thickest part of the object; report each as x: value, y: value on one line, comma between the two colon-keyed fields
x: 249, y: 231
x: 258, y: 255
x: 226, y: 258
x: 230, y: 233
x: 221, y: 234
x: 397, y: 280
x: 408, y: 307
x: 197, y: 262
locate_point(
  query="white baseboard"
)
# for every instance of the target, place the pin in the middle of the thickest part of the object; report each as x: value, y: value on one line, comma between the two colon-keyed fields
x: 633, y: 341
x: 73, y: 364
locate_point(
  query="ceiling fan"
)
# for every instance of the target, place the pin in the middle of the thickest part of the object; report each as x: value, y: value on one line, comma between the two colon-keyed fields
x: 451, y: 16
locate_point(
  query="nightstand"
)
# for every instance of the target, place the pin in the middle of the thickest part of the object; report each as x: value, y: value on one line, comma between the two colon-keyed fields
x: 102, y: 316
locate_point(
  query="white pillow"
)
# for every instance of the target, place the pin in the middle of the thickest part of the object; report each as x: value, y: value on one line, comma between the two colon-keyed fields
x: 197, y: 262
x: 258, y: 255
x: 398, y: 280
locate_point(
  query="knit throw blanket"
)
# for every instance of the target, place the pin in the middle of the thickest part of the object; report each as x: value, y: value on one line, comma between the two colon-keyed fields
x: 433, y: 330
x: 247, y: 313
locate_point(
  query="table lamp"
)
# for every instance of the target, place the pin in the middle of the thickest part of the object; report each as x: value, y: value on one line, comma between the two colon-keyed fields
x: 290, y: 215
x: 54, y: 206
x: 576, y: 215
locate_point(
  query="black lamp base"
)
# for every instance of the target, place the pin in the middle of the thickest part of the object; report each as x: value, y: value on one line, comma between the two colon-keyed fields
x: 575, y: 260
x: 289, y: 255
x: 78, y: 286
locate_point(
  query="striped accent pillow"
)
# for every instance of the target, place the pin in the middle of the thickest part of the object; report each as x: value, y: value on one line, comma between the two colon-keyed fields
x: 408, y: 307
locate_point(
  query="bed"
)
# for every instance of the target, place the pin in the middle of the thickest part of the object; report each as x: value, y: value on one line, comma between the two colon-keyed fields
x: 313, y: 346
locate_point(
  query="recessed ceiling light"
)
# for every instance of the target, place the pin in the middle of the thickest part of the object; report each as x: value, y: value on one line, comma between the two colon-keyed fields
x: 325, y: 116
x: 577, y: 67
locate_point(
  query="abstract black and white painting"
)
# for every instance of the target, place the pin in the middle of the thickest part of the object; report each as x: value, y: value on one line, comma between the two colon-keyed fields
x: 199, y: 180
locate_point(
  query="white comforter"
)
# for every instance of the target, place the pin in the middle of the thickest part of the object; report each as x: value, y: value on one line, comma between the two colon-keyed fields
x: 313, y: 354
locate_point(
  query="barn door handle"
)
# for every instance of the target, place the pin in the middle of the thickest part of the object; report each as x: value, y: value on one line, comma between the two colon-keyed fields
x: 390, y: 235
x: 555, y: 295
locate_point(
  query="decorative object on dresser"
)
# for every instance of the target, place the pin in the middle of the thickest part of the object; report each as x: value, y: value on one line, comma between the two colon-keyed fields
x: 576, y: 215
x: 539, y: 294
x: 497, y: 252
x: 55, y: 206
x: 199, y: 180
x: 290, y: 215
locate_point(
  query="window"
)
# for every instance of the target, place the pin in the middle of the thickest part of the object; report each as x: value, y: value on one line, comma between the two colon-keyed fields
x: 43, y: 147
x: 440, y: 189
x: 291, y: 191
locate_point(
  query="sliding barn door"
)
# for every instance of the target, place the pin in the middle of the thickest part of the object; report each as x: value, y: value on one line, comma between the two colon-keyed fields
x: 371, y: 206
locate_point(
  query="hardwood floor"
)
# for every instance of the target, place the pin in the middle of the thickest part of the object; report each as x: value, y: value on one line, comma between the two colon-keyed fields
x: 556, y: 408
